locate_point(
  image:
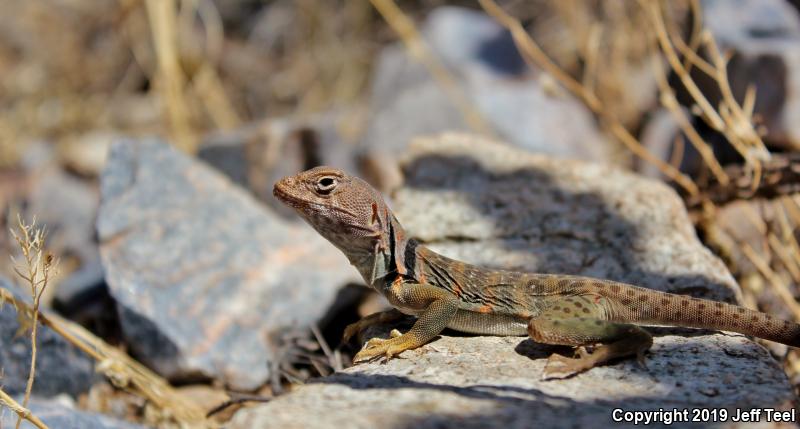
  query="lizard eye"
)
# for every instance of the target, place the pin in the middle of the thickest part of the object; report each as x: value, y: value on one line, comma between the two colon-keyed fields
x: 326, y: 184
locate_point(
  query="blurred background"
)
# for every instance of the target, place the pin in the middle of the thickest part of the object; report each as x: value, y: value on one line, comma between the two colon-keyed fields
x: 701, y: 94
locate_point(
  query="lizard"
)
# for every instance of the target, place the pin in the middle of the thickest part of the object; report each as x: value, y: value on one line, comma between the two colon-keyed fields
x: 601, y: 319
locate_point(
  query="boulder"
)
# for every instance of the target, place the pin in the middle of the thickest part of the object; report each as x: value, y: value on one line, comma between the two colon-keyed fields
x: 483, y: 60
x: 205, y: 278
x: 61, y: 368
x: 494, y: 205
x: 486, y: 203
x: 494, y: 382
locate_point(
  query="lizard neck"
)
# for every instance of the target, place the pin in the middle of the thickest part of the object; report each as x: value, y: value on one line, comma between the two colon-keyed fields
x: 386, y: 257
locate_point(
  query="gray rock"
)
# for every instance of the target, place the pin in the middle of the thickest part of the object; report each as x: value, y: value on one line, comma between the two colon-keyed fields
x: 764, y: 38
x: 732, y: 21
x: 494, y: 382
x: 491, y: 204
x: 60, y: 367
x: 407, y: 102
x: 57, y: 414
x: 256, y: 155
x: 204, y: 277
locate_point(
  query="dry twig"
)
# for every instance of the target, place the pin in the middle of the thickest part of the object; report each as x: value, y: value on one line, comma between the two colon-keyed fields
x: 533, y: 54
x: 36, y: 271
x: 22, y: 412
x: 732, y: 120
x: 123, y: 371
x: 171, y: 81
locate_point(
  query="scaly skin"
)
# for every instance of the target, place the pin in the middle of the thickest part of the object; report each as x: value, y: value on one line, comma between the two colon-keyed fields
x: 445, y: 293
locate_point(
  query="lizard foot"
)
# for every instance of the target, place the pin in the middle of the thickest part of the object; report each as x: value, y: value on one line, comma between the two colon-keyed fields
x: 377, y: 348
x: 559, y: 367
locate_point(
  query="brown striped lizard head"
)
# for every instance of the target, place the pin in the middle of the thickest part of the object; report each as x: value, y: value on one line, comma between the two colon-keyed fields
x: 344, y: 209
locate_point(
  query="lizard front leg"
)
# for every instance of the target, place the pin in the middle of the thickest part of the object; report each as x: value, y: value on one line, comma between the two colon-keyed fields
x: 439, y: 307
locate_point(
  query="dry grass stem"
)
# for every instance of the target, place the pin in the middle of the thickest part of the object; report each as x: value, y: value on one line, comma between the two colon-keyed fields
x: 170, y: 81
x: 670, y: 102
x: 417, y: 48
x: 778, y: 285
x: 22, y: 412
x: 206, y: 82
x: 36, y: 270
x: 731, y: 120
x: 123, y: 371
x: 534, y: 55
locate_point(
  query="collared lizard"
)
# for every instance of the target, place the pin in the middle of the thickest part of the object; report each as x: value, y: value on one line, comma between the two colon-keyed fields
x: 445, y: 293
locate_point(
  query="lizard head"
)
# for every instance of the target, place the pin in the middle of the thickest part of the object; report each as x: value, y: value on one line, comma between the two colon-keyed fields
x: 346, y: 210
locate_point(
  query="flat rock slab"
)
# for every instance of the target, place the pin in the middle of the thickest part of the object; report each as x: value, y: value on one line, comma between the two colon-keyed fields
x: 60, y: 367
x: 206, y: 278
x: 490, y: 204
x: 494, y: 382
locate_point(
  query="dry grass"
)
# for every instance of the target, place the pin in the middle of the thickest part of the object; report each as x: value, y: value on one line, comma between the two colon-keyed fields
x: 167, y: 407
x: 22, y: 412
x: 536, y: 56
x: 36, y: 271
x: 170, y: 68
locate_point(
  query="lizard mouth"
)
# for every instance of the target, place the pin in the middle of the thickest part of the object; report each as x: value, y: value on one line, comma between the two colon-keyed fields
x: 285, y: 197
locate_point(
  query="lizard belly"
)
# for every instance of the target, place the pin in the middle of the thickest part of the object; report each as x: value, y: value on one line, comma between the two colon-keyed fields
x: 488, y: 324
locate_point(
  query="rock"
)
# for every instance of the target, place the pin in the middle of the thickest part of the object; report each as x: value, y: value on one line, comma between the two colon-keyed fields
x: 86, y: 154
x: 256, y: 155
x: 764, y: 40
x: 67, y: 206
x: 491, y: 204
x: 60, y: 367
x: 407, y: 102
x: 494, y: 382
x: 204, y: 277
x: 732, y: 21
x: 57, y: 414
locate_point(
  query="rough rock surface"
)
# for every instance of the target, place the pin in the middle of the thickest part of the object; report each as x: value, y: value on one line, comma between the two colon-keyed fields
x: 482, y: 58
x: 56, y: 414
x: 480, y: 382
x: 202, y: 274
x: 60, y: 367
x: 490, y: 204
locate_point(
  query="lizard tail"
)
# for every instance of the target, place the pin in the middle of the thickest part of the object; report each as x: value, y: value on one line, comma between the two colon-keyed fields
x: 649, y: 307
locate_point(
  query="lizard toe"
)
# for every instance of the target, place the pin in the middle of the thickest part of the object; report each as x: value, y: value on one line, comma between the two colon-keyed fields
x: 559, y: 367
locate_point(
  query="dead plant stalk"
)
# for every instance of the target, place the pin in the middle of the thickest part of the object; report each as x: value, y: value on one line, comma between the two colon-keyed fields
x: 35, y: 271
x: 535, y: 56
x: 22, y: 412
